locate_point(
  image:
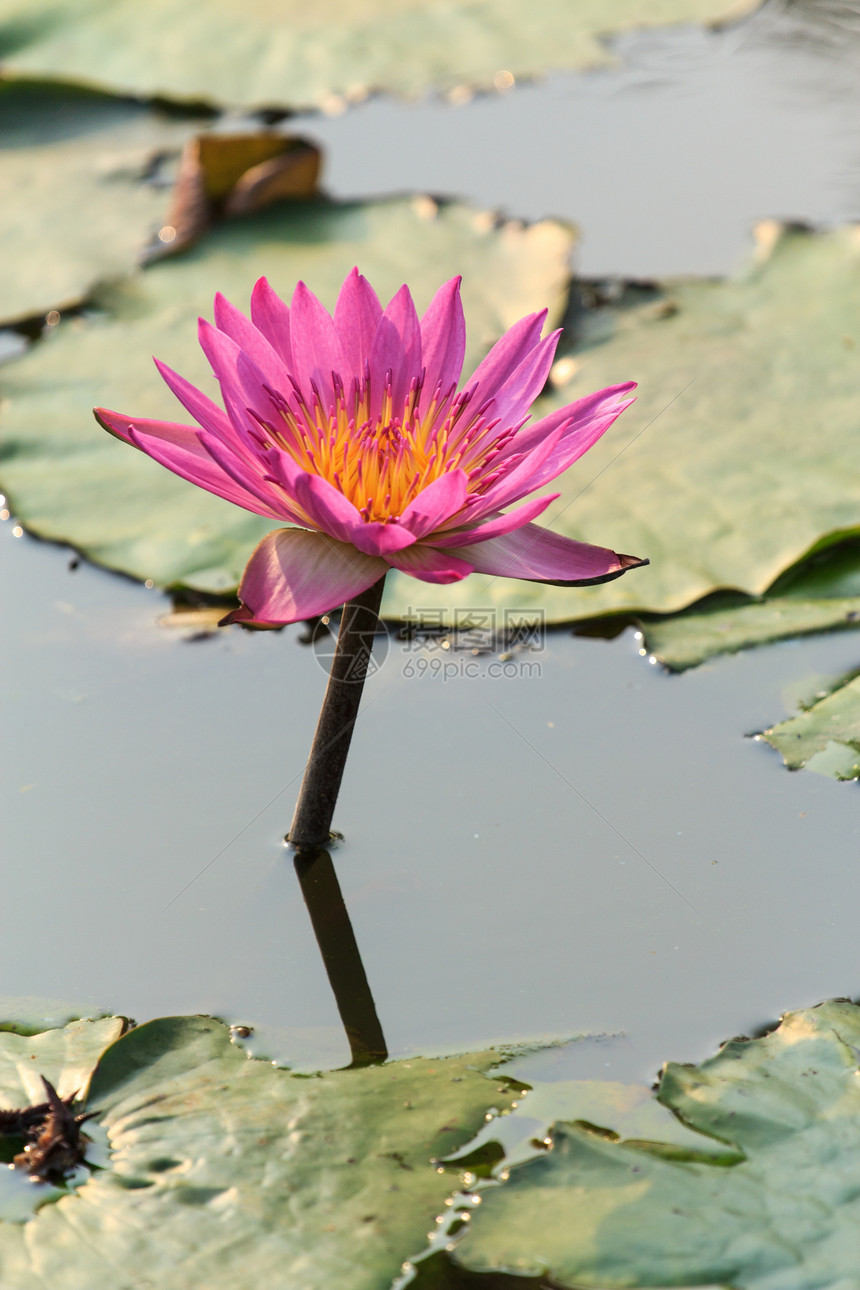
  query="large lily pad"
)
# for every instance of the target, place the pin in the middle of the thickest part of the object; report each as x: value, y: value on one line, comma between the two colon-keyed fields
x: 229, y: 1173
x: 595, y: 1211
x: 826, y: 736
x: 69, y: 481
x: 77, y: 207
x: 271, y: 52
x: 821, y: 594
x: 743, y: 450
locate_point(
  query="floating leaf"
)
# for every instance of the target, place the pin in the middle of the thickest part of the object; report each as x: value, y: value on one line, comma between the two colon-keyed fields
x: 594, y: 1212
x: 742, y: 452
x: 235, y: 174
x: 826, y: 737
x: 821, y: 594
x: 229, y: 1173
x: 69, y: 481
x: 64, y: 1056
x: 286, y: 52
x: 77, y: 206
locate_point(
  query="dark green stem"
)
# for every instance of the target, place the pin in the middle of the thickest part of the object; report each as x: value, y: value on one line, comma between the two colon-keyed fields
x: 311, y: 826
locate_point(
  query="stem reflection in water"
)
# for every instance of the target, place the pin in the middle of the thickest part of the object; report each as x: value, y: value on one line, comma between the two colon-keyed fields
x: 342, y: 960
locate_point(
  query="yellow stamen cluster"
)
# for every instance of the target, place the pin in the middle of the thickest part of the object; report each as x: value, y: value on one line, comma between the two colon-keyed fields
x: 382, y: 462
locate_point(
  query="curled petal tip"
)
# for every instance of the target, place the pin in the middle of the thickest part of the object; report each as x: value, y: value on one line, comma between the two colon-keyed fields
x: 632, y: 561
x: 240, y: 615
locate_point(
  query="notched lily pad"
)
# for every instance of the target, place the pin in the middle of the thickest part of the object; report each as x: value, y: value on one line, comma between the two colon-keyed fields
x: 71, y: 482
x: 826, y: 736
x: 229, y: 1173
x: 286, y: 52
x: 743, y: 450
x: 594, y: 1212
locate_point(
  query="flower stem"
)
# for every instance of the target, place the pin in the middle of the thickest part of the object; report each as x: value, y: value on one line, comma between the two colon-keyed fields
x: 311, y: 826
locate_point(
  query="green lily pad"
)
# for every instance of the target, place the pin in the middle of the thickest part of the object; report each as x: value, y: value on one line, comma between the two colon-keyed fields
x: 71, y: 482
x: 229, y: 1173
x: 686, y: 640
x: 76, y: 205
x: 595, y: 1212
x: 742, y: 452
x: 821, y: 594
x: 64, y: 1056
x: 286, y: 52
x: 825, y: 737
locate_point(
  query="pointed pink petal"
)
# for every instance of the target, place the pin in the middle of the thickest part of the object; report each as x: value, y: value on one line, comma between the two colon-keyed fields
x: 204, y: 411
x: 396, y: 349
x: 317, y: 351
x: 519, y: 480
x: 429, y: 565
x: 252, y: 342
x: 294, y: 574
x: 443, y: 341
x: 248, y: 478
x: 436, y: 503
x: 506, y: 355
x: 496, y: 526
x: 242, y: 385
x: 271, y: 316
x: 178, y: 448
x: 582, y: 423
x: 327, y: 509
x: 540, y: 555
x: 356, y: 318
x: 515, y: 395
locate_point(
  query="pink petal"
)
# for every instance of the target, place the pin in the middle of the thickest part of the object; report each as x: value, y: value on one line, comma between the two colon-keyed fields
x: 436, y: 503
x: 429, y: 565
x: 243, y: 473
x: 506, y: 355
x: 294, y: 574
x: 271, y: 316
x: 381, y: 539
x: 252, y: 342
x: 356, y: 318
x: 204, y: 411
x: 496, y: 526
x: 443, y: 341
x: 327, y: 509
x: 582, y: 423
x: 515, y: 395
x: 519, y: 480
x: 178, y: 448
x: 317, y: 351
x: 396, y: 349
x: 241, y: 389
x: 539, y: 555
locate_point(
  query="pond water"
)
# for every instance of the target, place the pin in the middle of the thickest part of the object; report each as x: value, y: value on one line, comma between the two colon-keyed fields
x: 591, y: 846
x: 583, y: 845
x: 663, y: 161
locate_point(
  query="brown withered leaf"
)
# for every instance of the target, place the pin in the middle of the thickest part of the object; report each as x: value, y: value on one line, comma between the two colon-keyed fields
x: 235, y: 174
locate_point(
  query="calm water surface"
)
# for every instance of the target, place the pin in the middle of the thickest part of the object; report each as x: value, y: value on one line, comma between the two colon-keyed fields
x: 663, y: 161
x: 596, y: 848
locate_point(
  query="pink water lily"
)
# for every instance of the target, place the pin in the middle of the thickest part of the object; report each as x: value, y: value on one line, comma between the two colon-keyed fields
x: 351, y: 428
